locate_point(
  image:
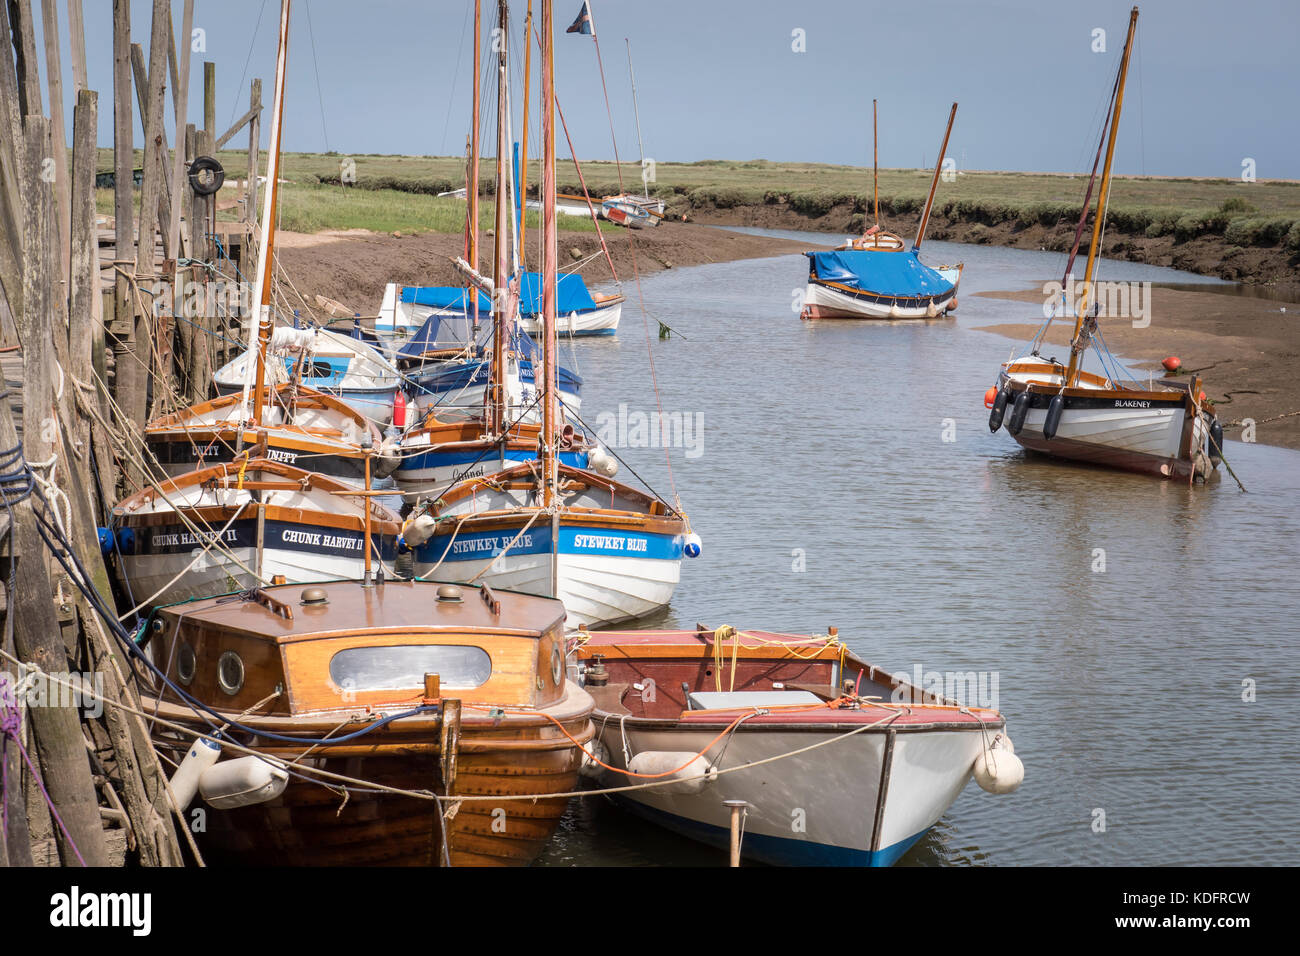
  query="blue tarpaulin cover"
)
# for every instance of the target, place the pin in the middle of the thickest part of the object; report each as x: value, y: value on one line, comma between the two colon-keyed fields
x: 571, y: 292
x: 444, y: 297
x: 881, y: 273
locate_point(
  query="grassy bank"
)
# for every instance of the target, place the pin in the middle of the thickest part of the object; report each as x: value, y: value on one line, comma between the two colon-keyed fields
x: 399, y: 193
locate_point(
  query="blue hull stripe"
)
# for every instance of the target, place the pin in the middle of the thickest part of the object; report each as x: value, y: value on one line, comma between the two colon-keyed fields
x: 776, y: 851
x: 445, y: 459
x: 537, y: 540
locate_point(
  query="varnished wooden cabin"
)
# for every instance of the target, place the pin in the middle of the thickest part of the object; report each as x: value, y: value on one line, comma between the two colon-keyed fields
x: 479, y: 675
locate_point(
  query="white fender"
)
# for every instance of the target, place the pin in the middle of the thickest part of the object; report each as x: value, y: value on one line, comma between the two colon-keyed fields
x: 653, y: 762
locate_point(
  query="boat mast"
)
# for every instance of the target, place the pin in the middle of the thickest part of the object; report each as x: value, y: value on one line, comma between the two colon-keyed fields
x: 1077, y: 342
x: 636, y: 111
x: 875, y: 166
x: 550, y: 250
x: 523, y: 150
x: 497, y: 411
x: 471, y: 187
x: 259, y: 332
x: 934, y: 183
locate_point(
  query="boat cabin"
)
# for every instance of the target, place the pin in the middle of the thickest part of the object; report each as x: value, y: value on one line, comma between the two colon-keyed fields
x: 403, y: 643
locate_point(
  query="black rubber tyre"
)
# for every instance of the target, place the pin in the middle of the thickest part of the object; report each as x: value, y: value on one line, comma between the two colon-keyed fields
x: 206, y: 186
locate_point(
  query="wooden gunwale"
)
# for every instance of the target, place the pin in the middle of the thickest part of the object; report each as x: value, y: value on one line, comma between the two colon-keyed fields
x: 493, y: 520
x: 294, y: 438
x: 302, y: 480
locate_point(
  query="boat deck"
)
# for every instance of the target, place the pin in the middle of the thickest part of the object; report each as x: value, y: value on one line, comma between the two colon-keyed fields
x: 679, y: 664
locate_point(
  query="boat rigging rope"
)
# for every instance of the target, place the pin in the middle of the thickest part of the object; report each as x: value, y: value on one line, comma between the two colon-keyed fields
x: 360, y: 785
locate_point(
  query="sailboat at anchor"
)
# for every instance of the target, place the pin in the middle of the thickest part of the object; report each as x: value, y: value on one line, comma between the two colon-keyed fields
x: 1161, y: 428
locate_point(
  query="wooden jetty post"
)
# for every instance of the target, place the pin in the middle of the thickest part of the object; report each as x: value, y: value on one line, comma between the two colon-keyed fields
x: 737, y: 808
x: 53, y: 546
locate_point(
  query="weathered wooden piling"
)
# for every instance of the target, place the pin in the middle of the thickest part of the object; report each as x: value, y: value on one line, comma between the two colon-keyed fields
x: 77, y: 422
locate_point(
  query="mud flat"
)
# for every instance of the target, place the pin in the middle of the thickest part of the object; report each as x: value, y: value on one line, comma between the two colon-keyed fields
x: 352, y: 266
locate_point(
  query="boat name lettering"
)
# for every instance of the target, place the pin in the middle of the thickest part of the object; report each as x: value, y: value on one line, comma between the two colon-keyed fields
x: 610, y: 542
x: 1131, y: 403
x: 493, y: 545
x: 320, y: 540
x: 184, y: 538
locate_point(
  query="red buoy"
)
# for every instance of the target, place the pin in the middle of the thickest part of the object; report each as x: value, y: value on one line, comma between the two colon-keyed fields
x: 399, y: 409
x: 1172, y: 364
x: 990, y: 395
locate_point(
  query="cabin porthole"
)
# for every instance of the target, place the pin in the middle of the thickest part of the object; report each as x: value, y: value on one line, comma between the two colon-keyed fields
x: 557, y: 664
x: 186, y: 662
x: 230, y: 673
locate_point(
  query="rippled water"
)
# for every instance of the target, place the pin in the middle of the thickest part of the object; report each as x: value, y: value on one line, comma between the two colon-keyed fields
x: 1122, y: 689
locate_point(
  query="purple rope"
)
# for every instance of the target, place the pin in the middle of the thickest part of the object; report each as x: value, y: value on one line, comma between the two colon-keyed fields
x: 10, y: 722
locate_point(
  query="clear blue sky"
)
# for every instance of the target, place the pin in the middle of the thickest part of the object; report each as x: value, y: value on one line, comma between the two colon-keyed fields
x: 1212, y: 82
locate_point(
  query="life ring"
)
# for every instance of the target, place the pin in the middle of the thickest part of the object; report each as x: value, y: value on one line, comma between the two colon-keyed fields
x: 206, y: 164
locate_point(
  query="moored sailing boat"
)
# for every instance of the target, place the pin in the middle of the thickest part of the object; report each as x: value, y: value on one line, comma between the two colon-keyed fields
x: 610, y: 552
x: 874, y: 276
x: 1160, y: 429
x: 381, y: 722
x: 239, y: 524
x: 297, y: 424
x: 339, y: 365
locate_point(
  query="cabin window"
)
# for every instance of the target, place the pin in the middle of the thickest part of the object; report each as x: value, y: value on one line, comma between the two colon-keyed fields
x: 186, y: 662
x: 403, y: 667
x: 230, y: 672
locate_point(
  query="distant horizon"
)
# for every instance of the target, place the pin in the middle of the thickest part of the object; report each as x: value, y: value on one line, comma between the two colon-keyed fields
x: 776, y: 162
x: 1207, y: 93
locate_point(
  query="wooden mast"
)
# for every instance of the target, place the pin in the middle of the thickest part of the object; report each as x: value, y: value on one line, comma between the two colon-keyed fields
x: 471, y: 187
x: 523, y: 149
x: 934, y: 183
x: 875, y: 167
x: 1076, y: 343
x: 262, y: 326
x: 497, y: 411
x: 550, y: 248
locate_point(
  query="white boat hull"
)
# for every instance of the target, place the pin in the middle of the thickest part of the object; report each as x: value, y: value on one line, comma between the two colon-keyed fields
x: 821, y: 807
x: 1142, y: 432
x: 597, y: 589
x: 600, y: 321
x: 220, y: 572
x: 822, y: 302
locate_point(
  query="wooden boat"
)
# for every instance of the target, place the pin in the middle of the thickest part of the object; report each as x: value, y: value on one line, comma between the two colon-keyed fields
x: 413, y: 686
x: 243, y: 523
x: 870, y: 762
x: 438, y: 453
x: 875, y: 275
x: 611, y: 553
x: 298, y: 425
x: 1164, y: 428
x: 326, y: 361
x: 608, y: 551
x: 869, y: 284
